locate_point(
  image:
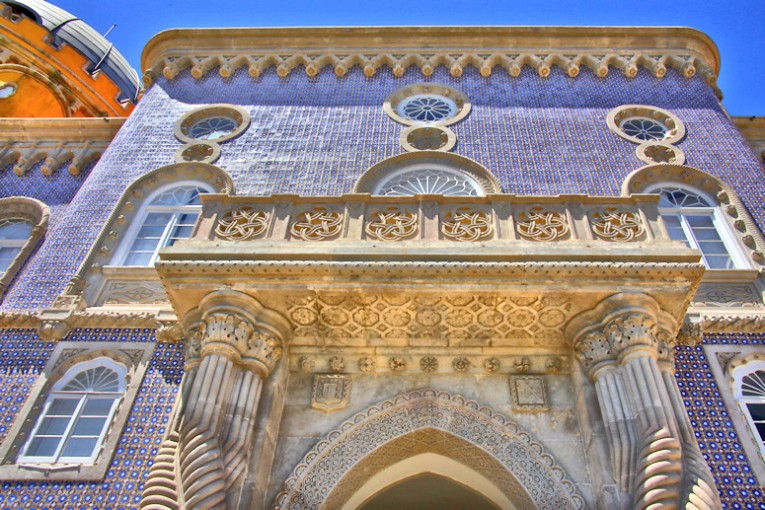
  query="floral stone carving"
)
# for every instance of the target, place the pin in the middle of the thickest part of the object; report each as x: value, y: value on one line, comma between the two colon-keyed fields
x: 242, y: 224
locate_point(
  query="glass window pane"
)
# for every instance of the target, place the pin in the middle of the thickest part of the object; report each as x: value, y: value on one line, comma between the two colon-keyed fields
x: 719, y: 262
x: 15, y: 229
x: 97, y: 407
x: 156, y: 218
x: 43, y: 447
x: 89, y: 427
x: 760, y: 430
x: 144, y: 245
x: 52, y: 427
x: 138, y: 259
x: 80, y: 447
x: 757, y: 411
x: 152, y: 231
x: 62, y: 407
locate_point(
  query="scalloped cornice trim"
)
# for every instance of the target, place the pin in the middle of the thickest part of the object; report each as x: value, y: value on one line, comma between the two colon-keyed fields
x: 627, y: 49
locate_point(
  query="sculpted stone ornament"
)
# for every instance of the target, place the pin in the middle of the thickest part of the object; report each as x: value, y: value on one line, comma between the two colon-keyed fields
x: 317, y: 224
x: 367, y: 364
x: 233, y: 343
x: 397, y: 363
x: 307, y: 363
x: 465, y: 224
x: 330, y: 392
x: 626, y: 344
x: 336, y: 363
x: 461, y: 364
x: 539, y: 224
x: 429, y: 364
x: 491, y: 364
x: 392, y: 224
x: 242, y: 224
x: 617, y: 225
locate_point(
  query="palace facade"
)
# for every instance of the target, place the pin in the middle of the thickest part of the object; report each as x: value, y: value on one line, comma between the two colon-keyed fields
x: 372, y: 268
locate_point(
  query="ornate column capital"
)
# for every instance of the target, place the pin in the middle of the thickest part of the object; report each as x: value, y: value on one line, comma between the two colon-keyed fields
x: 621, y: 326
x: 235, y: 325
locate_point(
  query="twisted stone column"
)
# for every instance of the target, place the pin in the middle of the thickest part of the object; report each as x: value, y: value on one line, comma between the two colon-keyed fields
x: 233, y: 345
x: 625, y: 344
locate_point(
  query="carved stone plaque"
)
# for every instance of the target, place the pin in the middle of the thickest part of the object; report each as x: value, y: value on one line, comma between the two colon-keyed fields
x: 330, y: 392
x: 529, y: 392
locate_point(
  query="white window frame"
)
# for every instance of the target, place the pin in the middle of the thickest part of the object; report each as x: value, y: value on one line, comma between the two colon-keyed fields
x: 124, y: 249
x: 738, y: 375
x: 723, y: 228
x: 57, y: 393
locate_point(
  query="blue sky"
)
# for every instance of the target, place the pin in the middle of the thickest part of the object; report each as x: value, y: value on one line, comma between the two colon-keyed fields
x: 737, y: 26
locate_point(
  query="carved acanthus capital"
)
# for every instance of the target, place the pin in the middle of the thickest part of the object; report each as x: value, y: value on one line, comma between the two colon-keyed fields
x: 238, y: 327
x: 621, y: 326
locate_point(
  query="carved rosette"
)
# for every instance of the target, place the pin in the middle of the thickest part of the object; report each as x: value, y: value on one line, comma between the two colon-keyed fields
x: 392, y: 224
x: 317, y: 224
x: 540, y: 224
x: 617, y: 225
x: 465, y: 224
x: 242, y: 224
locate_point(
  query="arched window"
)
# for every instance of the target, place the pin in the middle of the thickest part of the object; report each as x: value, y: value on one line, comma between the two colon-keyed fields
x: 77, y: 414
x: 23, y: 222
x: 14, y: 234
x: 694, y: 218
x: 749, y: 390
x: 169, y: 214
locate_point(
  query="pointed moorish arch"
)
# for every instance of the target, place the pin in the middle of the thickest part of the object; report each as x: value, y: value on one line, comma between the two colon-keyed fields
x: 493, y: 449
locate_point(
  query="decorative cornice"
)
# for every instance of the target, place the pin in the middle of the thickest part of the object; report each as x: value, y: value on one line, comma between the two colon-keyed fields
x: 688, y: 51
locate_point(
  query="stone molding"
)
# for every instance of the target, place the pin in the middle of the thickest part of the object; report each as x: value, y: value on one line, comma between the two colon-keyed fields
x: 688, y: 51
x: 529, y: 472
x: 33, y: 211
x: 235, y: 326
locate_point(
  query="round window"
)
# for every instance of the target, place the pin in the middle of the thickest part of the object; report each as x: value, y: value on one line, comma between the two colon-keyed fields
x: 7, y: 89
x: 427, y: 103
x: 642, y: 123
x: 212, y: 128
x: 644, y: 129
x: 217, y: 123
x: 427, y: 108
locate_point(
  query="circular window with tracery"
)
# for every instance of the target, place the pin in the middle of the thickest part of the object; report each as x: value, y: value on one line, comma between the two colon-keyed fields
x: 642, y: 123
x: 427, y: 103
x: 217, y: 123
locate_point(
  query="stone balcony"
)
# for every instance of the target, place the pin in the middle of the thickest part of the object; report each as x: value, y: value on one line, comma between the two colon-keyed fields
x: 430, y: 270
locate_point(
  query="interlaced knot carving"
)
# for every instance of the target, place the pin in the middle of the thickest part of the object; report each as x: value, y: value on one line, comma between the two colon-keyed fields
x: 465, y: 224
x: 617, y: 225
x: 542, y: 225
x: 317, y: 224
x: 392, y: 224
x: 242, y: 224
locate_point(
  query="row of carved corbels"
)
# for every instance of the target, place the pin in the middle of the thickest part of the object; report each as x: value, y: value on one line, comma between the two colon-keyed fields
x: 687, y: 64
x: 236, y: 326
x: 24, y: 156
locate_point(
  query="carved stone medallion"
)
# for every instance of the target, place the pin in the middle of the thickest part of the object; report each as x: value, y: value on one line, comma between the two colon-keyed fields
x: 330, y: 392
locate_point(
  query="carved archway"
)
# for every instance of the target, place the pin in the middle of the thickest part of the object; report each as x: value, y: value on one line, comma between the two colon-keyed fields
x: 427, y: 421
